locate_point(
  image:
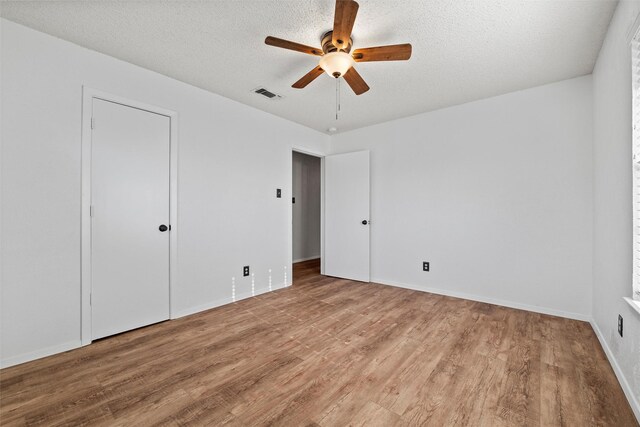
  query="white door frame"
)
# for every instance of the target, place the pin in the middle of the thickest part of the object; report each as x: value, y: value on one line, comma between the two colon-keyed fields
x: 321, y: 157
x: 88, y: 94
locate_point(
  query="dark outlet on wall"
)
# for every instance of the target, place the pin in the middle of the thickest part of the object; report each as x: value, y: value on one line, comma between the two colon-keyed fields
x: 245, y: 270
x: 620, y: 324
x: 425, y: 266
x: 278, y: 193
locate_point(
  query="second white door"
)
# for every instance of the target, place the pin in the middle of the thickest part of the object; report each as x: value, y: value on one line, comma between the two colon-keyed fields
x: 130, y: 176
x: 346, y: 231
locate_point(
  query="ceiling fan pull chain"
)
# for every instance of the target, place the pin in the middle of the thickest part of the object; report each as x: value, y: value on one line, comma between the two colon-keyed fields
x: 337, y: 99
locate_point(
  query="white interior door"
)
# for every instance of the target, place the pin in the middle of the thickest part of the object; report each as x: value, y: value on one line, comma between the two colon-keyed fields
x: 346, y: 232
x: 129, y: 203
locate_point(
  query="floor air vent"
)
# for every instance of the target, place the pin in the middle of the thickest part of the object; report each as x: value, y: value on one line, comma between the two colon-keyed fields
x: 266, y: 93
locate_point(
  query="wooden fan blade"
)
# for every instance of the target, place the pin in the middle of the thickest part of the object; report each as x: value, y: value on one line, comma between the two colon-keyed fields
x: 343, y: 20
x: 356, y: 82
x: 308, y: 78
x: 286, y: 44
x: 395, y: 52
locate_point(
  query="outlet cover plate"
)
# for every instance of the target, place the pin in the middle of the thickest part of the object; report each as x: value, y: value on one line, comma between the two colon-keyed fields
x: 620, y: 324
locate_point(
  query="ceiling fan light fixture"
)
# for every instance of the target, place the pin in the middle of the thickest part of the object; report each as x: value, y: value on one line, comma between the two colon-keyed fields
x: 336, y: 64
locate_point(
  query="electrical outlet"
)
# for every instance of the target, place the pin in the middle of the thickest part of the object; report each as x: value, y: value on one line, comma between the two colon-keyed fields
x: 620, y: 324
x: 425, y: 266
x: 245, y: 270
x: 278, y: 193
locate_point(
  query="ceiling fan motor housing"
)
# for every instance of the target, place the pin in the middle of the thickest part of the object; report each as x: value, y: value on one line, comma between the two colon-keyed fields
x: 328, y: 46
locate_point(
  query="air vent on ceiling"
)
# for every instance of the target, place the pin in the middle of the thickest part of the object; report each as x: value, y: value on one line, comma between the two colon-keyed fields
x: 266, y: 93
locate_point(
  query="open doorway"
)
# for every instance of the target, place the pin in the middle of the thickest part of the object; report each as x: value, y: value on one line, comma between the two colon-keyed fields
x: 306, y: 215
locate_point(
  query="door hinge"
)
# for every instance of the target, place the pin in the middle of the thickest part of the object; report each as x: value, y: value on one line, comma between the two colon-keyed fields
x: 93, y: 123
x: 90, y: 299
x: 91, y: 211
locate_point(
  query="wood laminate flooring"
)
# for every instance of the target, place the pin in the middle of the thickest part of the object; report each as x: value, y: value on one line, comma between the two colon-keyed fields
x: 331, y: 352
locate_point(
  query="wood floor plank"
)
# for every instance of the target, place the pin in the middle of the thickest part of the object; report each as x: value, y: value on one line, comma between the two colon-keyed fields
x: 329, y: 352
x: 373, y: 415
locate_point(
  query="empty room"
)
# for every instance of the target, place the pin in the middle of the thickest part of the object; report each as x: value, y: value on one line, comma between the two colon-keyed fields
x: 320, y: 213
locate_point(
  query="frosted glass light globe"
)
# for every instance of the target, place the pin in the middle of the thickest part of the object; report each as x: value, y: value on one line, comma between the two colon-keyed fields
x: 336, y: 63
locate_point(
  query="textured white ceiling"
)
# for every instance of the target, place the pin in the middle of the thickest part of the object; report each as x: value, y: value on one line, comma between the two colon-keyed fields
x: 463, y: 50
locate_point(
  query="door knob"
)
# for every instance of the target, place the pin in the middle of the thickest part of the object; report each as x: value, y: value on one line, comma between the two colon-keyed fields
x: 163, y: 228
x: 365, y: 222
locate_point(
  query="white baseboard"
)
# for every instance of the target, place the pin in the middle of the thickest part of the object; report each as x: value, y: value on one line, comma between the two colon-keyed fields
x: 223, y: 301
x: 628, y: 392
x: 49, y: 351
x: 306, y: 259
x: 510, y: 304
x: 39, y: 354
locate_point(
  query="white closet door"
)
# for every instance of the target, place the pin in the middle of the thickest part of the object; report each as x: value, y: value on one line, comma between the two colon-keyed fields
x: 346, y: 235
x: 130, y: 204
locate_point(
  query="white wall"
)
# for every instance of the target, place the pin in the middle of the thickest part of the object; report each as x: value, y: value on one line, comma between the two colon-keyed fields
x: 495, y: 194
x: 306, y: 209
x: 231, y: 160
x: 612, y: 267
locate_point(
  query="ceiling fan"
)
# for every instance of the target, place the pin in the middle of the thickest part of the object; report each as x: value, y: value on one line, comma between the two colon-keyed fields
x: 336, y: 58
